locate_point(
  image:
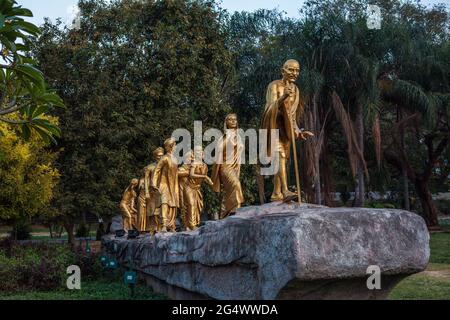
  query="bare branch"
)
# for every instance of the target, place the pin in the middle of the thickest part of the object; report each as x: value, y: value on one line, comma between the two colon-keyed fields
x: 13, y: 121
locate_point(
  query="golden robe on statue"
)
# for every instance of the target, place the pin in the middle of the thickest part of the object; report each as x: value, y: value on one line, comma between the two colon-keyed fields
x: 192, y: 196
x: 128, y: 206
x: 153, y: 201
x: 183, y: 175
x: 141, y: 207
x: 226, y: 172
x: 165, y: 178
x: 281, y: 115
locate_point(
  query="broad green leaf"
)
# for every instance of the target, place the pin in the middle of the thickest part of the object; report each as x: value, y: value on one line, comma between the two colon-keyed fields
x: 26, y: 132
x: 45, y: 135
x: 31, y: 72
x: 6, y: 28
x: 52, y: 98
x: 6, y: 5
x: 2, y: 21
x: 54, y: 130
x: 39, y: 111
x: 19, y: 11
x: 11, y: 46
x: 22, y: 47
x: 29, y: 27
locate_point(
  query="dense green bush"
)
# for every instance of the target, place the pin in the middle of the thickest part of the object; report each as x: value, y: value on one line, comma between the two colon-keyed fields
x: 89, y: 263
x: 9, y: 277
x: 41, y: 266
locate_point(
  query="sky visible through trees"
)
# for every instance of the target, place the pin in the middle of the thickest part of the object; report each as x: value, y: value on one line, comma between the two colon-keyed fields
x: 65, y: 8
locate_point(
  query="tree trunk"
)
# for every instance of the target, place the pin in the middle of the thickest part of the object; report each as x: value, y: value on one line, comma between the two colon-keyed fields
x: 327, y: 177
x: 404, y: 170
x: 260, y: 183
x: 359, y: 187
x: 70, y: 226
x: 429, y: 210
x: 405, y: 189
x: 317, y: 186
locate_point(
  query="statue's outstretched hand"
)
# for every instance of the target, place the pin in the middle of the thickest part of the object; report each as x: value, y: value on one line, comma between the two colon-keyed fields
x: 209, y: 181
x: 303, y: 134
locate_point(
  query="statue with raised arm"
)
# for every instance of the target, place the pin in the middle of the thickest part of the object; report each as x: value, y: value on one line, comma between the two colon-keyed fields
x: 128, y: 206
x: 226, y: 171
x: 165, y: 182
x: 192, y: 175
x: 282, y: 110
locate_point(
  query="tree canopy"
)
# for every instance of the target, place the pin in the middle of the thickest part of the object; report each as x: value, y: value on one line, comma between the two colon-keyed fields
x: 28, y: 177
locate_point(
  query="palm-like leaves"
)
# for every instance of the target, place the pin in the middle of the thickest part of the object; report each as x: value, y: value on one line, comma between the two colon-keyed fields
x: 24, y: 96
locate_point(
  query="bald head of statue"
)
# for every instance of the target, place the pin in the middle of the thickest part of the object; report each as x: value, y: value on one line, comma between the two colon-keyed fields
x: 290, y: 70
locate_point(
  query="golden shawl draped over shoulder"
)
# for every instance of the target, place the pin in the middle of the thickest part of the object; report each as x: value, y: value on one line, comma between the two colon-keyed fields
x: 273, y: 115
x: 165, y: 178
x: 226, y: 171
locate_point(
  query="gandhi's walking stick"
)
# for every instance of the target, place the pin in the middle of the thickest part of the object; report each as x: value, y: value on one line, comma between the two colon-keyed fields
x: 294, y: 150
x: 297, y: 176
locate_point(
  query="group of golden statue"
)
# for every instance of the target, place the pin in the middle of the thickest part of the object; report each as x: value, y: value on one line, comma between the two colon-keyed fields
x: 150, y: 204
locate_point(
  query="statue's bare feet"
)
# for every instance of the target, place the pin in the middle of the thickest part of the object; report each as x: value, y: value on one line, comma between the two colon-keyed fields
x: 276, y: 197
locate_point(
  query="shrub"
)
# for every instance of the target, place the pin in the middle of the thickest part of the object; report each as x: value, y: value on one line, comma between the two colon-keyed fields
x: 89, y: 264
x: 42, y: 266
x: 9, y: 278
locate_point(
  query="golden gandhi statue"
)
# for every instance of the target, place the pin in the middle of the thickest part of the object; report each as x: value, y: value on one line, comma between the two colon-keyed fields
x: 226, y: 175
x: 128, y: 205
x: 165, y: 181
x: 192, y: 175
x: 282, y: 110
x: 149, y: 200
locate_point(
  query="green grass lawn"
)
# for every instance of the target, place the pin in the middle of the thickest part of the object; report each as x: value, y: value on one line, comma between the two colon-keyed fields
x: 39, y: 232
x: 103, y: 289
x: 440, y: 248
x: 434, y: 283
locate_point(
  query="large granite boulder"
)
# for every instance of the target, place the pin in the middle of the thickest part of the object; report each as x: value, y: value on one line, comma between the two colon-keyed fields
x: 284, y: 251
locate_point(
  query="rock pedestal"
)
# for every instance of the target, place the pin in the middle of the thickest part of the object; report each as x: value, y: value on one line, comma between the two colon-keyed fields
x: 282, y: 251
